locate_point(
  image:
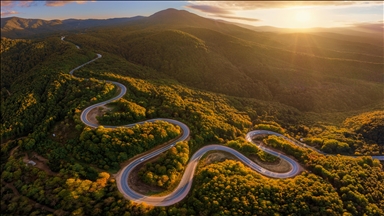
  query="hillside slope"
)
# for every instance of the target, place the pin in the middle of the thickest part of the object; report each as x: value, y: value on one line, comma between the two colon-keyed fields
x: 15, y: 27
x: 316, y: 74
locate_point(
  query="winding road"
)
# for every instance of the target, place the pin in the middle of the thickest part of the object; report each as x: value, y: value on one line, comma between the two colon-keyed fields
x: 186, y: 182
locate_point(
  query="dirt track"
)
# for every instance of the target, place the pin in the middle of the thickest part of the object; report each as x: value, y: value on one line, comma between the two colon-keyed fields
x: 41, y: 163
x: 99, y: 111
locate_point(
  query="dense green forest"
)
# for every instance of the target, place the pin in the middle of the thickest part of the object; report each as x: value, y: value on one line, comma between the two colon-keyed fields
x: 123, y: 112
x: 222, y: 84
x: 360, y: 135
x: 109, y: 147
x: 38, y: 96
x: 167, y: 168
x: 248, y: 149
x: 230, y: 188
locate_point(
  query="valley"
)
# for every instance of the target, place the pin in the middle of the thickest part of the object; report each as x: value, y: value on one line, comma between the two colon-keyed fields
x: 176, y: 79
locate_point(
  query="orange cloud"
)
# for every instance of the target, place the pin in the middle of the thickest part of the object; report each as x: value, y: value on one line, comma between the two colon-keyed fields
x: 239, y: 18
x: 7, y: 13
x: 252, y: 5
x: 7, y: 6
x: 209, y: 9
x: 6, y: 3
x: 62, y: 3
x: 11, y: 4
x: 25, y: 3
x: 56, y: 3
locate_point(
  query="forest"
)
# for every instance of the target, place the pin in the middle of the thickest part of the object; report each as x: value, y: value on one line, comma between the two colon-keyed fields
x: 211, y: 60
x: 41, y: 106
x: 124, y: 112
x: 167, y: 168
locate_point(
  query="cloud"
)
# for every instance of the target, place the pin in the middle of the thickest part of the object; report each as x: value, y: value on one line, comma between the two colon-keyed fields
x: 7, y: 13
x: 8, y: 6
x: 209, y: 9
x: 82, y: 2
x: 280, y: 4
x: 11, y: 4
x: 238, y: 18
x: 26, y: 3
x: 252, y: 5
x: 56, y: 3
x: 62, y: 3
x: 7, y: 3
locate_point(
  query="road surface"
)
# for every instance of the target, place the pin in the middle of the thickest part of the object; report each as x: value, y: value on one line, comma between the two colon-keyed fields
x: 186, y: 182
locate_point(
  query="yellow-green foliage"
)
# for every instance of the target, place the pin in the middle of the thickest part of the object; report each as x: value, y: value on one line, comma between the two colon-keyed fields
x: 7, y: 43
x: 248, y: 148
x: 370, y: 125
x: 233, y: 189
x: 362, y: 133
x: 38, y: 91
x: 288, y: 147
x: 67, y: 191
x: 276, y: 128
x: 167, y: 168
x: 211, y: 117
x: 344, y: 173
x: 108, y: 147
x: 356, y: 122
x: 334, y: 146
x: 124, y: 112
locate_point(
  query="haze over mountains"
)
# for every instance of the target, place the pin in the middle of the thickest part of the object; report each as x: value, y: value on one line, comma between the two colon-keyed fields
x: 16, y: 27
x: 372, y: 30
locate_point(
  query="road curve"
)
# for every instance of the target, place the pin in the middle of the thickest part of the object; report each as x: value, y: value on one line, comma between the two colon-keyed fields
x: 186, y: 182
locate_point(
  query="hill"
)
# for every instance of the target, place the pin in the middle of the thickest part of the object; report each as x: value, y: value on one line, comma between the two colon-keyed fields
x: 15, y: 27
x: 354, y: 33
x: 228, y: 59
x: 370, y: 125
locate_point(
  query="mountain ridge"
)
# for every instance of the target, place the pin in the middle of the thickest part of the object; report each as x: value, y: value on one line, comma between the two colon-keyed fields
x: 224, y: 58
x: 16, y: 27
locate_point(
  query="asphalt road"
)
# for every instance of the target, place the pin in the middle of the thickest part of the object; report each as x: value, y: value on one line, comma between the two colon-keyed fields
x: 186, y: 182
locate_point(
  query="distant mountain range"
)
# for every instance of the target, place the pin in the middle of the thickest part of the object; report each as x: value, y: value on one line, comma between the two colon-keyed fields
x: 15, y: 27
x: 359, y: 33
x: 316, y: 71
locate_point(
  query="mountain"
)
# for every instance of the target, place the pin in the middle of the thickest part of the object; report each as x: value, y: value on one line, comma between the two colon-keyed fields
x: 374, y: 32
x: 174, y: 17
x: 15, y: 23
x: 182, y: 18
x: 15, y: 27
x: 294, y: 69
x: 289, y: 68
x: 355, y: 33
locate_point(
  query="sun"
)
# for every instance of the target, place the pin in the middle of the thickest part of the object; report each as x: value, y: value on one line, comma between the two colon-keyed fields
x: 303, y: 16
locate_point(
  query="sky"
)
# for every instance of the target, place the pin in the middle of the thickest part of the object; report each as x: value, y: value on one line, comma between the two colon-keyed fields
x: 282, y: 14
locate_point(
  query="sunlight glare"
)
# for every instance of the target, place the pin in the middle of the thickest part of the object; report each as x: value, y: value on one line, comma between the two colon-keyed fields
x: 303, y: 16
